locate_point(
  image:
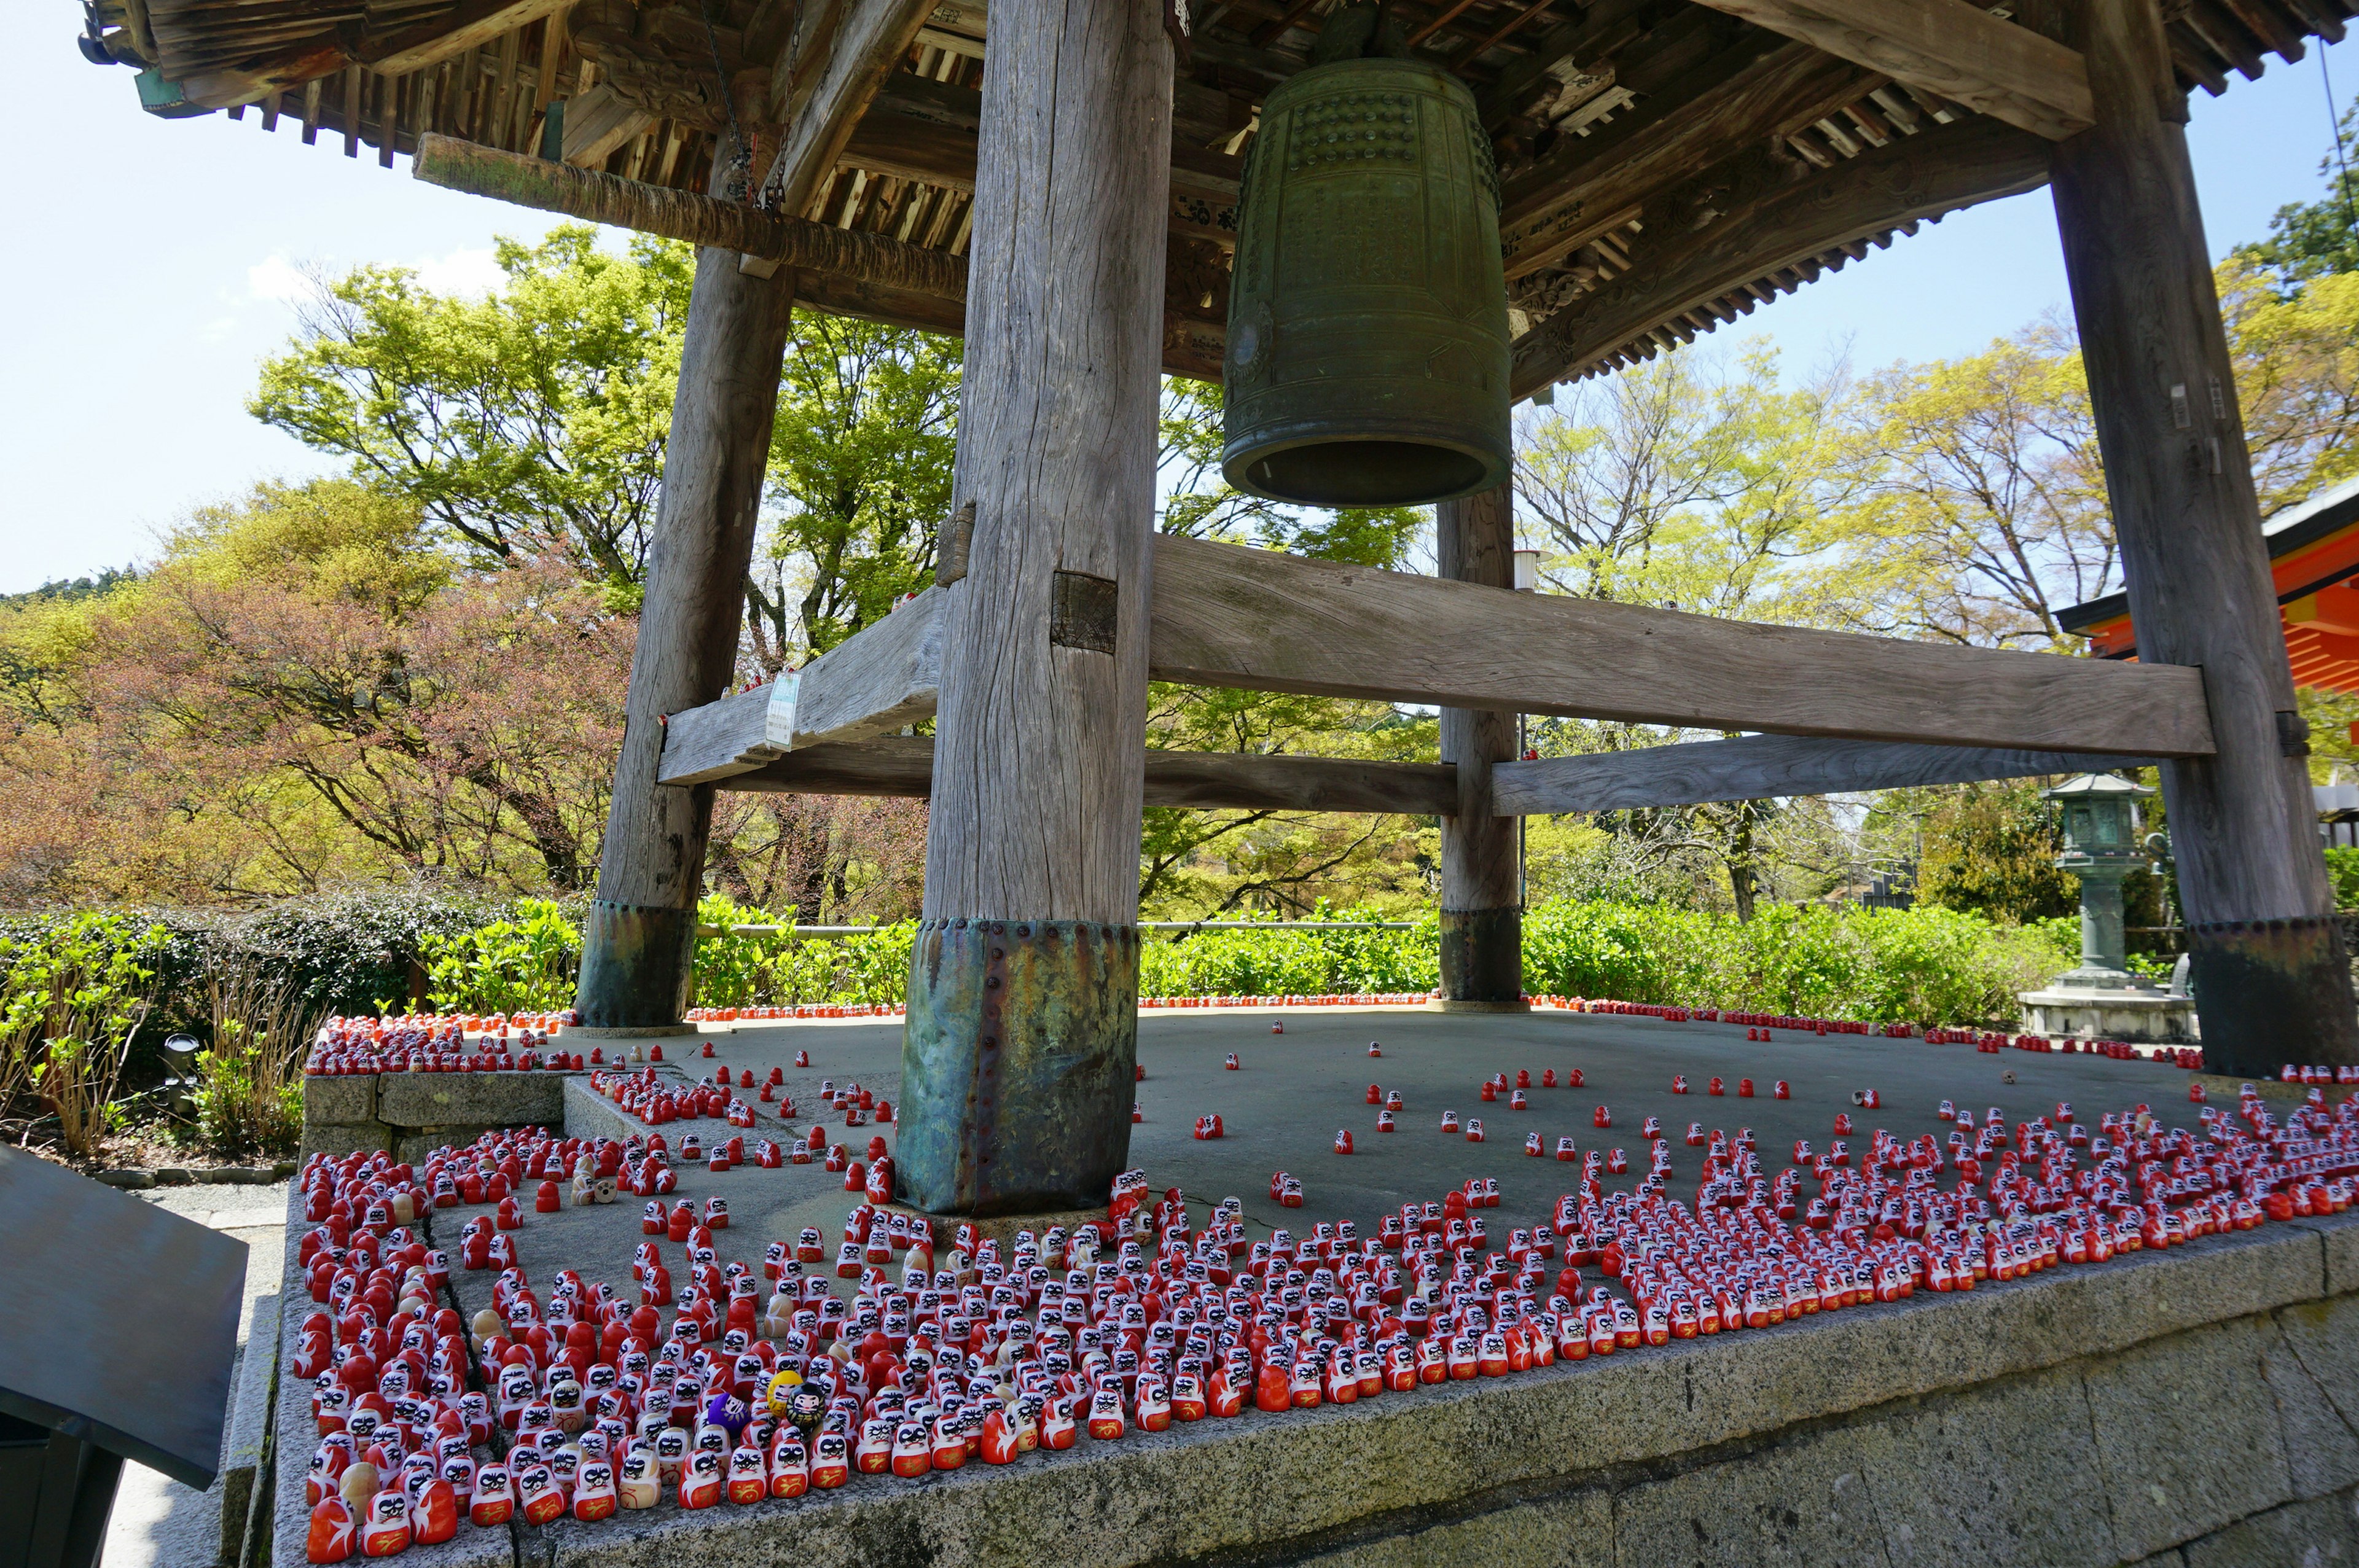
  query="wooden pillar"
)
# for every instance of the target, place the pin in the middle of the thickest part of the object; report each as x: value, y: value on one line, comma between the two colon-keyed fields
x: 1018, y: 1063
x: 2271, y: 980
x: 641, y: 935
x: 1482, y: 900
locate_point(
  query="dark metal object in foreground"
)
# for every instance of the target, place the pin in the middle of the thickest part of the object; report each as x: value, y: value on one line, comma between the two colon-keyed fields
x: 118, y: 1327
x: 1367, y: 339
x: 1018, y: 1065
x: 635, y: 965
x: 2272, y: 991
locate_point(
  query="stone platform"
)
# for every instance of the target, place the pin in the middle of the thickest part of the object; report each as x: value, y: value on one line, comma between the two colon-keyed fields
x: 2192, y: 1407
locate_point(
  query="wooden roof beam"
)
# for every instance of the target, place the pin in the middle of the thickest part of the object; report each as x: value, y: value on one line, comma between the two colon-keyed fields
x: 831, y: 86
x: 1763, y: 767
x: 903, y: 765
x: 1768, y: 223
x: 470, y: 26
x: 1948, y: 47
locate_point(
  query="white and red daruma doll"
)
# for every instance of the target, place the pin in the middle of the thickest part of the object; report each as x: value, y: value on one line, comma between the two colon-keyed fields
x: 386, y: 1529
x: 494, y: 1501
x: 595, y: 1495
x: 433, y: 1513
x: 539, y: 1497
x: 331, y: 1536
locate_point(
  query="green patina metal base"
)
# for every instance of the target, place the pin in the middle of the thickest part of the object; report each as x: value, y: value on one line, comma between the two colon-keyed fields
x: 2272, y: 991
x: 637, y: 962
x: 1483, y: 955
x: 1018, y: 1066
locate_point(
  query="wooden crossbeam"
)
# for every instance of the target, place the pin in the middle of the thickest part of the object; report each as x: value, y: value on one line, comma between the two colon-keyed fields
x: 1766, y: 220
x: 904, y: 765
x: 470, y: 26
x: 880, y: 679
x: 1228, y: 616
x: 1948, y: 47
x: 1763, y: 767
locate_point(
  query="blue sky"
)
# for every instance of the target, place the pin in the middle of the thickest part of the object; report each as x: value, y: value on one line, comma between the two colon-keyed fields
x: 153, y: 265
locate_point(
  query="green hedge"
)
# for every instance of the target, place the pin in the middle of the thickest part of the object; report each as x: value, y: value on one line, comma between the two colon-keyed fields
x: 352, y: 952
x: 1879, y: 965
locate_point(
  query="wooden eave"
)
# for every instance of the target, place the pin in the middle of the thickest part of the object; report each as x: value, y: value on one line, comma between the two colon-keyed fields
x: 1626, y: 131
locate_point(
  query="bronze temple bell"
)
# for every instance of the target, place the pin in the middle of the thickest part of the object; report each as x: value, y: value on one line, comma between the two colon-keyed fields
x: 1367, y: 339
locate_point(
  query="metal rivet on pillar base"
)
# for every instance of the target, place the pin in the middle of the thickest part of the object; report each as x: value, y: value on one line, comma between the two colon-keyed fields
x: 1017, y: 1065
x: 1482, y: 959
x: 2272, y: 991
x: 637, y: 962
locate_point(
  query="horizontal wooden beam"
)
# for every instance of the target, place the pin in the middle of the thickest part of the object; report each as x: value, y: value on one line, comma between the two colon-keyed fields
x: 850, y: 255
x: 1947, y: 47
x: 904, y: 765
x: 1768, y: 219
x: 1228, y: 616
x: 1224, y: 615
x: 881, y: 678
x: 1763, y: 767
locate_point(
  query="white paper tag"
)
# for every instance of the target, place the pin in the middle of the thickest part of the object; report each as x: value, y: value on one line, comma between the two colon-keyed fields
x: 778, y: 721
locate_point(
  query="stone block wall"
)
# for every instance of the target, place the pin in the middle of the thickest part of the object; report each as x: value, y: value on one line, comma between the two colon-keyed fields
x: 410, y: 1113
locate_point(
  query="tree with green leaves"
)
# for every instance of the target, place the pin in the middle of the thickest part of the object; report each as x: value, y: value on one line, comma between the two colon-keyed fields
x: 529, y: 422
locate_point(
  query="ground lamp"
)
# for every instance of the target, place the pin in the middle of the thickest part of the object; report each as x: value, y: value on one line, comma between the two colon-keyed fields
x: 117, y: 1332
x: 2099, y: 997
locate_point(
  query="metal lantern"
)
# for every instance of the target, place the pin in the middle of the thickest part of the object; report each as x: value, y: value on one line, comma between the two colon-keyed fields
x: 1367, y: 337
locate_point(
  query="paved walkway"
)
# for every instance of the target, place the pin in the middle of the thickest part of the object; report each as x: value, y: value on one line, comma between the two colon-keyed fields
x: 157, y: 1522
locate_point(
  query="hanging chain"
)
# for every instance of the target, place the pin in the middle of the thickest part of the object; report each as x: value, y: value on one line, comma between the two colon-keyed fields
x: 741, y: 161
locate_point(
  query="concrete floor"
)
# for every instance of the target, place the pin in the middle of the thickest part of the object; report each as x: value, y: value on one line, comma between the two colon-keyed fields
x: 1294, y: 1091
x: 157, y: 1522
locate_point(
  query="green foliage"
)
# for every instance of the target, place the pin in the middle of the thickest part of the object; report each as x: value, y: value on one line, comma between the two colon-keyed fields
x: 1300, y: 959
x: 2310, y: 238
x: 860, y: 471
x: 525, y: 963
x: 530, y: 421
x: 1880, y: 965
x: 1991, y: 849
x: 2342, y: 870
x: 72, y: 993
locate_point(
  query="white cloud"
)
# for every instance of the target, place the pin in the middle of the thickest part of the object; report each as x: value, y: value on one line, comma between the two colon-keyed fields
x: 465, y: 271
x: 279, y: 280
x: 461, y: 272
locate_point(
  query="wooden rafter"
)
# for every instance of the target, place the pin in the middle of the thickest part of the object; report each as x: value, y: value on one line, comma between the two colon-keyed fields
x: 866, y: 46
x: 1947, y: 47
x: 1767, y: 221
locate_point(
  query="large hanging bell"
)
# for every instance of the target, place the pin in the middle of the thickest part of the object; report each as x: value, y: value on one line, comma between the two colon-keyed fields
x: 1367, y: 337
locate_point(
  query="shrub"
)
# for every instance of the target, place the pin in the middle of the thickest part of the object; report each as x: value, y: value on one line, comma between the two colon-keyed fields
x: 72, y: 996
x: 249, y: 1092
x: 525, y: 963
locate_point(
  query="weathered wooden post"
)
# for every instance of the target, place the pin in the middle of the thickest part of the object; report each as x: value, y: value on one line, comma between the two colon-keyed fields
x: 1482, y: 904
x: 2271, y: 979
x: 1018, y: 1063
x: 641, y: 935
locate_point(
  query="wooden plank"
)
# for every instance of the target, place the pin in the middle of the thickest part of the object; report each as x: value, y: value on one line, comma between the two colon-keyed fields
x: 862, y: 49
x: 879, y: 679
x: 1768, y: 221
x: 1230, y: 616
x: 1948, y: 47
x: 1764, y: 767
x: 468, y: 27
x: 904, y: 765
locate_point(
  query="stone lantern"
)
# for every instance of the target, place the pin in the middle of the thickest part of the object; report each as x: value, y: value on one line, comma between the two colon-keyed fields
x: 2100, y: 999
